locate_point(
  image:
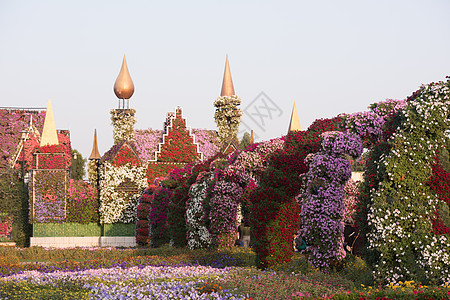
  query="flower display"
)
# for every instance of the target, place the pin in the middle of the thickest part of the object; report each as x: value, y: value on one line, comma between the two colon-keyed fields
x: 350, y: 201
x: 196, y: 218
x: 12, y: 122
x: 93, y: 172
x: 123, y: 121
x: 208, y: 142
x: 143, y: 210
x: 82, y: 202
x: 274, y: 212
x: 147, y: 142
x: 178, y: 143
x: 140, y: 282
x: 119, y: 205
x: 322, y: 203
x: 48, y: 196
x: 228, y: 117
x: 400, y: 195
x: 369, y: 124
x: 158, y: 219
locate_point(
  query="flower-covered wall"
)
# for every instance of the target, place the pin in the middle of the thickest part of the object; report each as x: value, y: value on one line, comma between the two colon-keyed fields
x: 12, y: 122
x: 122, y: 179
x: 178, y: 147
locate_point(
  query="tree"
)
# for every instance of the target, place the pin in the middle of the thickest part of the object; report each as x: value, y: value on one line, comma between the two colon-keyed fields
x: 14, y: 203
x: 245, y: 141
x: 77, y: 169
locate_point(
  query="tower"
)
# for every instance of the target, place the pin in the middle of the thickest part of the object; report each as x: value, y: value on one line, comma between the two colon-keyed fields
x: 294, y: 124
x: 122, y: 118
x: 94, y: 158
x: 49, y: 135
x: 228, y: 114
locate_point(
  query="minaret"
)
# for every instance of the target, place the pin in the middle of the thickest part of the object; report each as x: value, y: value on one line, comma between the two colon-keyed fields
x: 228, y: 114
x: 123, y: 119
x: 227, y: 83
x: 295, y: 121
x: 95, y: 154
x: 49, y: 135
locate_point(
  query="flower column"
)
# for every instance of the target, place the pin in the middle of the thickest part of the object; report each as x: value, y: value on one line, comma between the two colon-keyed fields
x: 322, y: 206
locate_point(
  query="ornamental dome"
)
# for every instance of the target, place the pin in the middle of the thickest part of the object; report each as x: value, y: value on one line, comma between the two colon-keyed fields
x: 124, y: 87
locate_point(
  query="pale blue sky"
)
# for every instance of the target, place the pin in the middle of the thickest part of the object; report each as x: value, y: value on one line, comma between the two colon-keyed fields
x: 330, y: 57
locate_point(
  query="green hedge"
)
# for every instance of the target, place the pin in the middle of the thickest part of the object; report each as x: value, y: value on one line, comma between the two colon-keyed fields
x: 118, y: 229
x: 76, y: 229
x: 66, y: 229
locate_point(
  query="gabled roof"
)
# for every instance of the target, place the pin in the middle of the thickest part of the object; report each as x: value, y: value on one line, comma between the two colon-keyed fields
x: 115, y: 149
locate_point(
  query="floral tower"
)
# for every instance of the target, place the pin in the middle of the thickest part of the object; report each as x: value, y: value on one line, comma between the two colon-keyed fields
x: 123, y: 119
x: 228, y: 115
x: 120, y: 170
x: 94, y: 159
x: 49, y: 175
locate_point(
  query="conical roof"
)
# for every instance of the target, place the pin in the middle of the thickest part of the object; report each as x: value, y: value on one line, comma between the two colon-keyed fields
x: 124, y: 87
x: 49, y: 135
x: 227, y: 83
x: 295, y: 121
x: 95, y: 154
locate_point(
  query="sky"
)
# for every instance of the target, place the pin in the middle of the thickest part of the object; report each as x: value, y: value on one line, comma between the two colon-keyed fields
x: 330, y: 57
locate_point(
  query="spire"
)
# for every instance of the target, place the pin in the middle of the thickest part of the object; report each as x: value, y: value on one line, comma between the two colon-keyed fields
x: 227, y: 84
x: 95, y: 154
x: 295, y: 121
x: 124, y: 87
x: 49, y: 135
x: 252, y: 139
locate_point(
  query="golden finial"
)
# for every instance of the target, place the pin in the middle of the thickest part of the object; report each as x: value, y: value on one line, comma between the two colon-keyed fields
x: 227, y: 84
x: 252, y: 139
x: 295, y: 121
x: 95, y: 154
x: 124, y: 87
x: 49, y: 135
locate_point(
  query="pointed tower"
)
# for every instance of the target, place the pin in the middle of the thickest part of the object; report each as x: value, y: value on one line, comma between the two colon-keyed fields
x: 228, y: 114
x: 227, y: 83
x: 49, y: 135
x: 294, y: 124
x: 94, y: 160
x: 95, y: 154
x: 123, y: 119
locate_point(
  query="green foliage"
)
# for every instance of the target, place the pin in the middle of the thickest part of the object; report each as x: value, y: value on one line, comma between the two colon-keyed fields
x: 245, y: 141
x: 77, y: 169
x: 14, y: 202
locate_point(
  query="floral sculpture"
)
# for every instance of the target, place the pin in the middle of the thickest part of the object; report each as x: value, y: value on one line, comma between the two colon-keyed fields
x: 274, y: 212
x: 122, y: 180
x: 178, y: 147
x: 228, y: 117
x: 322, y: 204
x: 402, y: 198
x: 143, y: 210
x: 12, y: 122
x: 123, y: 121
x: 198, y: 234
